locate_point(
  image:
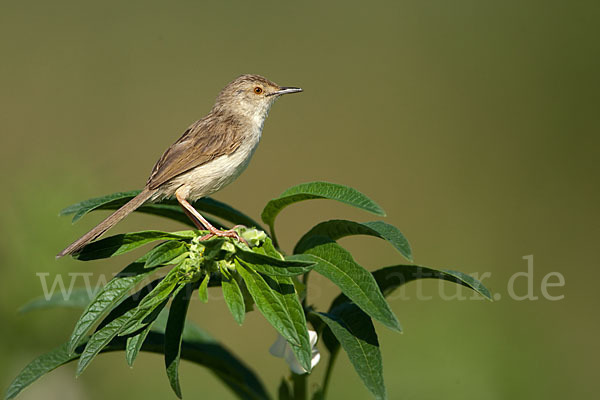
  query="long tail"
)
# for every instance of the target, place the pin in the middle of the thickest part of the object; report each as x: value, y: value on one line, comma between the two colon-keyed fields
x: 108, y: 222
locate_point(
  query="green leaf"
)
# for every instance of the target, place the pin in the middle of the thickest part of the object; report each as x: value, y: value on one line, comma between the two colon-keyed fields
x: 273, y: 266
x: 39, y: 367
x: 115, y: 200
x: 390, y: 278
x: 317, y: 190
x: 234, y: 298
x: 122, y: 243
x: 173, y: 335
x: 110, y: 327
x: 109, y: 297
x: 77, y: 298
x: 134, y: 344
x: 153, y: 303
x: 268, y: 249
x: 197, y: 347
x: 277, y: 300
x: 326, y: 337
x: 165, y: 253
x: 337, y: 229
x: 337, y: 265
x: 356, y: 333
x: 203, y: 289
x: 270, y: 303
x: 166, y: 208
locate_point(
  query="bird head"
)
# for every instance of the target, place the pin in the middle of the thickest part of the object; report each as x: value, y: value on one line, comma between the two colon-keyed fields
x: 251, y: 96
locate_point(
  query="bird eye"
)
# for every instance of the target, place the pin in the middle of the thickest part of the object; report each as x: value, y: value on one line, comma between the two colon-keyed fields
x: 258, y: 90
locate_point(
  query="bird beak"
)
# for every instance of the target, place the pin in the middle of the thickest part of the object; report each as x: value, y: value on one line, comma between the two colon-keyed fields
x: 285, y: 90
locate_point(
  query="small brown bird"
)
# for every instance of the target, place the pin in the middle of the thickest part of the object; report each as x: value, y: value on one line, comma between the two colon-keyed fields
x: 210, y: 154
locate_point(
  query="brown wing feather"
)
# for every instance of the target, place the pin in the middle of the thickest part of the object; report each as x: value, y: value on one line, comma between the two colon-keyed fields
x: 209, y: 138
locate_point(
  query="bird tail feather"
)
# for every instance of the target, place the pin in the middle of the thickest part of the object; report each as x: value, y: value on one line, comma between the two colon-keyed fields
x: 108, y: 223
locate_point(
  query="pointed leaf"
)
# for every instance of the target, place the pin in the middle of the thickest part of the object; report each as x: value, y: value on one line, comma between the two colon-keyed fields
x: 390, y: 278
x: 277, y: 300
x: 99, y: 340
x: 273, y: 266
x: 39, y: 367
x: 234, y: 298
x: 115, y: 199
x: 197, y: 347
x: 317, y: 190
x: 109, y: 297
x: 337, y: 229
x: 336, y: 264
x: 152, y: 304
x: 203, y: 289
x: 356, y: 333
x: 165, y: 253
x: 119, y: 244
x: 269, y: 302
x: 134, y: 344
x: 110, y: 327
x: 173, y: 334
x: 268, y: 249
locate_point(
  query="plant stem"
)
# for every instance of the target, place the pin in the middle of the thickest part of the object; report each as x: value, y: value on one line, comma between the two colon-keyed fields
x: 330, y: 364
x: 300, y: 384
x: 274, y: 237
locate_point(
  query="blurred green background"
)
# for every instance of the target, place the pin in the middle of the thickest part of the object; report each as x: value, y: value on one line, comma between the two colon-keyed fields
x: 473, y: 123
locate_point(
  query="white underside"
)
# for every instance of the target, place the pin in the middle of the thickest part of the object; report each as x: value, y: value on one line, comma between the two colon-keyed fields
x: 211, y: 177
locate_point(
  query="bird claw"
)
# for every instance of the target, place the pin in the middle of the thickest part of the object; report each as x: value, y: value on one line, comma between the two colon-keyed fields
x: 229, y: 233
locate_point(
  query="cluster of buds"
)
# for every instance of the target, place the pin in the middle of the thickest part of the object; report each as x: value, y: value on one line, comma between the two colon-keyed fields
x: 215, y: 255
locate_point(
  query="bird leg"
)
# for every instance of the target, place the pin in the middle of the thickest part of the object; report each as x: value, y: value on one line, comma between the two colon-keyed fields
x: 203, y: 224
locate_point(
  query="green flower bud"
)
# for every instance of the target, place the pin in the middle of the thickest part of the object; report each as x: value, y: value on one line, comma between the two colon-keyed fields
x: 253, y: 236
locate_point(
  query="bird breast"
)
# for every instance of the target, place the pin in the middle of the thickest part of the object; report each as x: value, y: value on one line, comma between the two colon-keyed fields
x: 211, y: 177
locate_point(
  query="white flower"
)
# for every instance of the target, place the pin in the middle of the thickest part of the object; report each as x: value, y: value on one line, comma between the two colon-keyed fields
x: 281, y: 348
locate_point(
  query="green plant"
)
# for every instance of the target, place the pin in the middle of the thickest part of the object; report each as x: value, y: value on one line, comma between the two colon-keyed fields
x: 252, y: 273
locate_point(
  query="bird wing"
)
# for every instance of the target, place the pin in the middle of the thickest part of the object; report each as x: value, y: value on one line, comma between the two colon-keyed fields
x: 209, y: 138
